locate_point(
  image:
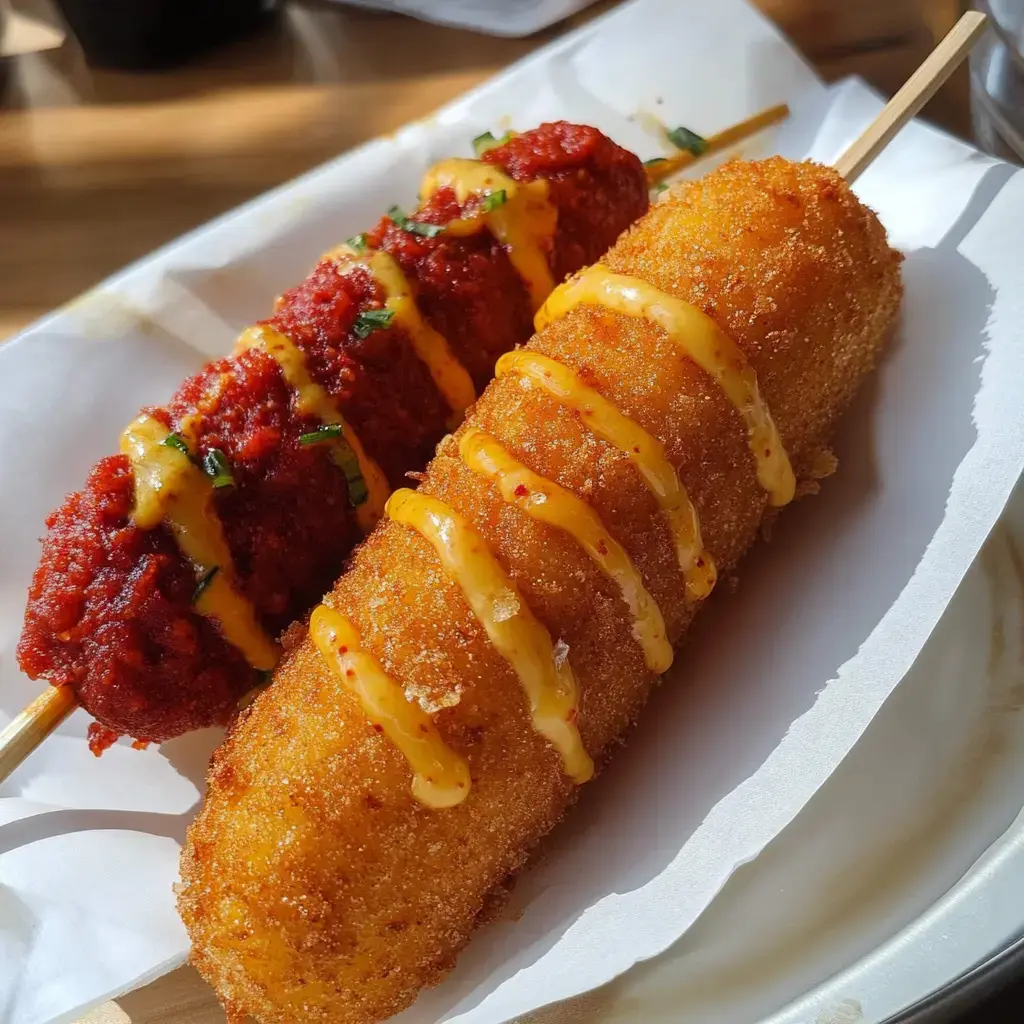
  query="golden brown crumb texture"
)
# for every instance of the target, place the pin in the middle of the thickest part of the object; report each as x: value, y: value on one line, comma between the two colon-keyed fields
x: 315, y: 888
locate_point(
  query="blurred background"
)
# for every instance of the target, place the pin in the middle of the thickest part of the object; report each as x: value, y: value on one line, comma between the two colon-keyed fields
x: 99, y: 164
x: 124, y: 123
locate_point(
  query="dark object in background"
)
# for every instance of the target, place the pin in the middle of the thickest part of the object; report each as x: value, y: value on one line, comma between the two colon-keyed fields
x: 3, y: 63
x: 142, y: 35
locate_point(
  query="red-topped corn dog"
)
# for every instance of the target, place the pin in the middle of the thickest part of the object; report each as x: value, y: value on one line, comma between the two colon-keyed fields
x: 164, y: 583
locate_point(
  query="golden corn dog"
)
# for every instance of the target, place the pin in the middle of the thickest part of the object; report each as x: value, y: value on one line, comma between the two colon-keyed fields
x: 409, y: 754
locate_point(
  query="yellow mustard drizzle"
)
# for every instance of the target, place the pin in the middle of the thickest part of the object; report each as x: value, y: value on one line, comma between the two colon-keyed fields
x: 440, y: 777
x: 644, y: 450
x: 524, y: 223
x: 704, y: 341
x: 548, y: 682
x: 550, y: 503
x: 450, y: 377
x: 169, y: 487
x: 314, y: 400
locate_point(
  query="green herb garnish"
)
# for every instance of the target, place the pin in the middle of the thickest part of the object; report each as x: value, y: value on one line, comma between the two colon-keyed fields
x: 371, y: 320
x: 174, y: 440
x: 683, y: 138
x: 659, y: 187
x: 493, y: 200
x: 204, y: 582
x: 326, y: 432
x: 654, y: 161
x: 482, y: 143
x: 416, y: 227
x: 357, y: 242
x: 346, y: 460
x: 217, y: 468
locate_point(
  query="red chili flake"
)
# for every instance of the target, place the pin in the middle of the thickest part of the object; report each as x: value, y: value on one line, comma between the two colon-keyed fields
x: 349, y: 673
x: 424, y: 728
x: 343, y: 649
x: 767, y: 452
x: 700, y: 563
x: 377, y: 727
x: 522, y: 490
x: 602, y: 547
x: 140, y: 744
x: 572, y: 716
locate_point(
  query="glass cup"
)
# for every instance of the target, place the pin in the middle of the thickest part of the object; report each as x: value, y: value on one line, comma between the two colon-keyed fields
x: 997, y: 80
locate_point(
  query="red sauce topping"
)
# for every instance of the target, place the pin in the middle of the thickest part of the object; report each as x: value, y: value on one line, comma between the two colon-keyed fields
x: 109, y: 609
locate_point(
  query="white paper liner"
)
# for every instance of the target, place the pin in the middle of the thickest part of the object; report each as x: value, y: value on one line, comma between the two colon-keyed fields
x: 827, y: 621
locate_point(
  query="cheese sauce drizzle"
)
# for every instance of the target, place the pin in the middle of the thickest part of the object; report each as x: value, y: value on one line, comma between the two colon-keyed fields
x: 549, y: 683
x: 523, y: 220
x: 314, y: 400
x: 704, y: 341
x: 450, y: 377
x: 547, y: 502
x: 440, y: 777
x: 169, y: 487
x: 645, y: 451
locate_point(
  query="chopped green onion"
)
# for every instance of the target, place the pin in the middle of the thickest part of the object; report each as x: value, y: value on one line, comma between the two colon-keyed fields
x: 357, y: 242
x: 659, y: 187
x: 683, y: 138
x: 174, y: 440
x: 654, y: 162
x: 217, y: 468
x: 264, y: 675
x: 204, y: 582
x: 371, y: 320
x: 482, y: 143
x: 346, y: 460
x: 416, y: 227
x: 493, y: 200
x: 326, y: 432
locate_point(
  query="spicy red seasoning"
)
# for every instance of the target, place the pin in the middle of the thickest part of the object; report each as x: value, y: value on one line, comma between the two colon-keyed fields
x: 110, y: 609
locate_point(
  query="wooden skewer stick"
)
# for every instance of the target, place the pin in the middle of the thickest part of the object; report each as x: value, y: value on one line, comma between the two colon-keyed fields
x: 48, y: 710
x: 663, y: 167
x: 919, y: 88
x: 29, y: 728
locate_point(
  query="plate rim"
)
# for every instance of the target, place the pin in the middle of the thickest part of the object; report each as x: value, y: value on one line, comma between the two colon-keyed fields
x: 985, y: 978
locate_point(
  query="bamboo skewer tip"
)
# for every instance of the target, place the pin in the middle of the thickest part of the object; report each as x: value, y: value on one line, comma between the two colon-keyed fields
x: 30, y: 727
x: 918, y: 89
x: 664, y: 167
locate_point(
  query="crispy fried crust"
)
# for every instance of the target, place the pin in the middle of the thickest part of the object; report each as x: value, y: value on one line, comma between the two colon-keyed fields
x: 315, y: 888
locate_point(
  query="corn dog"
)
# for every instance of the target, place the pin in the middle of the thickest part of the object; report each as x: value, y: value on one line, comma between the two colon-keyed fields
x: 501, y: 629
x: 164, y: 583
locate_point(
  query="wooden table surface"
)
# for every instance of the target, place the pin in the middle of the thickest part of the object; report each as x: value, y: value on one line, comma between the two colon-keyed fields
x: 98, y: 168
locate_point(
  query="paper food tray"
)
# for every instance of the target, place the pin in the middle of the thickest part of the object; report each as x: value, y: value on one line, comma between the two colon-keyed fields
x: 828, y: 619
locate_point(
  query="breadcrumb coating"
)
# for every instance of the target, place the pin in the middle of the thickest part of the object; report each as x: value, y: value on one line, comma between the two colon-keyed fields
x: 314, y: 887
